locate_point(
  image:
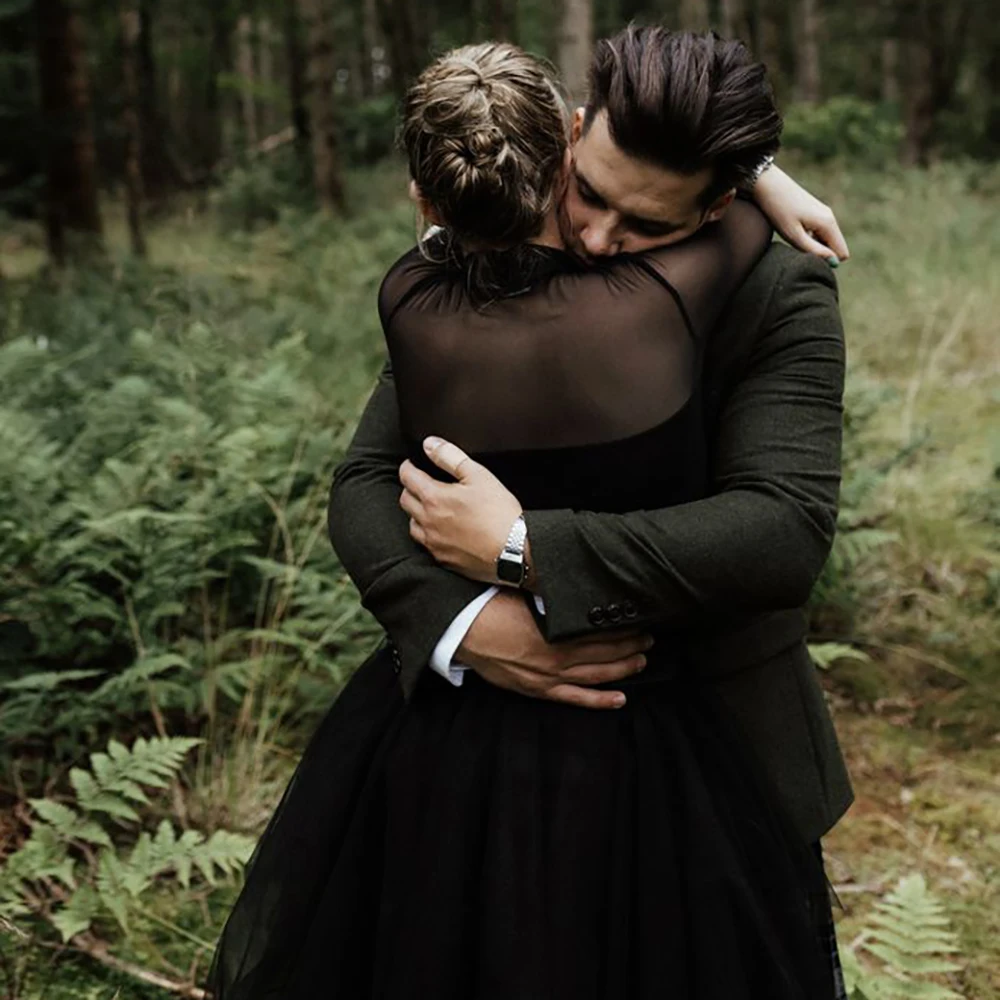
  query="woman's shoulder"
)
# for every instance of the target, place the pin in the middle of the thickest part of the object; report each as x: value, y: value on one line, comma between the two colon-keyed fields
x: 415, y: 269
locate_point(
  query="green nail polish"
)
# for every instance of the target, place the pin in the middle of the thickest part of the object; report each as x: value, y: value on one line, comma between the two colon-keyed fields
x: 833, y: 262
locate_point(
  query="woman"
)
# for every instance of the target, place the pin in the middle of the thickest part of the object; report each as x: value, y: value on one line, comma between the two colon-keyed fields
x: 471, y: 843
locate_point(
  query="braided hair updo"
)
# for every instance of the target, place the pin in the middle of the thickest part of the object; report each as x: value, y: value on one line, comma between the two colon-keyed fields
x: 485, y: 131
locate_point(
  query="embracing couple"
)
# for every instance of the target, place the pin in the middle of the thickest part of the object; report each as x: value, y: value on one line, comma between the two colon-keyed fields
x: 587, y: 501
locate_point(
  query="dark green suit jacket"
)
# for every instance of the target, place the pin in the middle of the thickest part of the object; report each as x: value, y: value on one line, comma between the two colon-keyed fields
x: 730, y: 573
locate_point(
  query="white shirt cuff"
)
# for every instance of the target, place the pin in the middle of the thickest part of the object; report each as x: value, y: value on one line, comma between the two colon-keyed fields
x: 444, y: 651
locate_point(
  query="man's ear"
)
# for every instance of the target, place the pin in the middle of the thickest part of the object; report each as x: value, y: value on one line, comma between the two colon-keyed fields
x: 718, y: 207
x: 577, y: 128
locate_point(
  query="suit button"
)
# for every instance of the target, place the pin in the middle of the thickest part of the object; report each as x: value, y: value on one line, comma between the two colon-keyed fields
x: 630, y: 610
x: 396, y: 658
x: 614, y: 613
x: 596, y: 616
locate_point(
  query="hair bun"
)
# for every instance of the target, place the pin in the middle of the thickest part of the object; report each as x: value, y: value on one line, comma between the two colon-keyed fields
x: 485, y: 146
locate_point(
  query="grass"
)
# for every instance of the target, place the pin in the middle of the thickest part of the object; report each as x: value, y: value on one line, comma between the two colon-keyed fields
x: 920, y: 724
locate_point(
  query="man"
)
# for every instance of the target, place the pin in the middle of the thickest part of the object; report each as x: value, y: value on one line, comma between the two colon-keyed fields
x: 727, y: 575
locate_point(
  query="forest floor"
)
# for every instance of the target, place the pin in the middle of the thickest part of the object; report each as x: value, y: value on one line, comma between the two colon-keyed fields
x: 920, y: 721
x: 922, y: 805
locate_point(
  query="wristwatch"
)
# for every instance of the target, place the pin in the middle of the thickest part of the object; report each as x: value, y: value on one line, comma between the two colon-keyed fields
x: 759, y: 170
x: 511, y: 567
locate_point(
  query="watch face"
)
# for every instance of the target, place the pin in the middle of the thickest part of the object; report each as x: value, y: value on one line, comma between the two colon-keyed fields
x: 510, y: 570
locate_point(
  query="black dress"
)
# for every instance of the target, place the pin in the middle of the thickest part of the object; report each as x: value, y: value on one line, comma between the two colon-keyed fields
x: 475, y: 844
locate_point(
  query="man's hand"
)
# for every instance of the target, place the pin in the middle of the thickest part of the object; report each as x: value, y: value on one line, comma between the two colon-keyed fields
x: 463, y: 525
x: 505, y: 647
x: 801, y: 219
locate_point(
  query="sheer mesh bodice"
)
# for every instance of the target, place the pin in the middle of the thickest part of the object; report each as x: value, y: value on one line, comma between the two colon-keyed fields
x: 576, y: 356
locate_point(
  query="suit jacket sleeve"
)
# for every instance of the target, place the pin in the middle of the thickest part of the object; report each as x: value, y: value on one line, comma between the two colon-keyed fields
x: 760, y: 541
x: 412, y: 597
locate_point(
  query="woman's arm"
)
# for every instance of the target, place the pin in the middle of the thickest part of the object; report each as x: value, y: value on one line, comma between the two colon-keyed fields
x: 801, y: 219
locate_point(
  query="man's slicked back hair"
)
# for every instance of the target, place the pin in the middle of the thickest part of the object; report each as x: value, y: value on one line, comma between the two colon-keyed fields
x: 685, y: 101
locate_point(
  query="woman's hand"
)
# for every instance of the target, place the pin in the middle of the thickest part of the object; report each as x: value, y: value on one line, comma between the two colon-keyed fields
x: 463, y: 525
x: 801, y: 219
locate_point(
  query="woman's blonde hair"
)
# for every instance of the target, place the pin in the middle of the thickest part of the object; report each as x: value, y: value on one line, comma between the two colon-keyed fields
x: 485, y: 130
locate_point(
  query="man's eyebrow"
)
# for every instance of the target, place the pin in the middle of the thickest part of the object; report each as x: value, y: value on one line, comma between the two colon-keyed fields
x: 663, y: 225
x: 580, y: 179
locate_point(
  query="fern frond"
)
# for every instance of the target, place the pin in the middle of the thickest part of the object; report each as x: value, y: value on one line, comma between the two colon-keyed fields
x: 166, y: 852
x: 42, y: 856
x: 825, y: 654
x: 119, y: 774
x: 136, y: 676
x: 911, y: 935
x: 49, y: 681
x: 69, y: 824
x: 78, y: 913
x: 111, y: 887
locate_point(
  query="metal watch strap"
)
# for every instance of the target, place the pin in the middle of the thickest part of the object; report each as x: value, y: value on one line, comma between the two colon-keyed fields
x: 511, y: 567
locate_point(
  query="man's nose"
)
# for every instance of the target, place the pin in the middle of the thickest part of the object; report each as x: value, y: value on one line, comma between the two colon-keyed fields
x: 599, y: 241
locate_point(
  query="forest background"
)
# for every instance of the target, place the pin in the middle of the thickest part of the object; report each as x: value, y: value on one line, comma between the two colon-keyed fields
x: 197, y: 203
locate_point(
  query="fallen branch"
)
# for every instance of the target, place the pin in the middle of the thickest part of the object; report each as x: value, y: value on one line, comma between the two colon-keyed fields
x: 96, y: 949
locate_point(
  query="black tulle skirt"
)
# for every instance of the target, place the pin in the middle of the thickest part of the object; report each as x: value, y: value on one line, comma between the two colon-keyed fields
x: 474, y: 844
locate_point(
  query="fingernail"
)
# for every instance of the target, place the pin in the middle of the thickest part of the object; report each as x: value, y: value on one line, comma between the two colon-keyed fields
x: 619, y: 700
x: 432, y: 443
x: 833, y: 262
x: 642, y: 662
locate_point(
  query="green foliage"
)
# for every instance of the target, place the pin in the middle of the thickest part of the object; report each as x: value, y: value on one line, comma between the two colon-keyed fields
x: 825, y: 654
x: 858, y: 537
x: 909, y: 933
x: 256, y: 193
x: 77, y: 866
x: 368, y: 129
x: 843, y: 127
x: 163, y: 484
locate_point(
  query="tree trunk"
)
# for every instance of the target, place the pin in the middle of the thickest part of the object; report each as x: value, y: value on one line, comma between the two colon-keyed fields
x: 733, y: 18
x: 768, y: 41
x: 130, y: 24
x: 918, y: 104
x: 218, y: 62
x: 295, y: 57
x: 406, y: 34
x: 245, y: 69
x: 503, y: 20
x: 807, y: 65
x: 889, y: 89
x: 576, y: 41
x: 694, y: 15
x: 369, y: 43
x: 71, y: 158
x: 265, y: 74
x: 992, y: 75
x: 158, y: 166
x: 320, y: 73
x: 934, y: 43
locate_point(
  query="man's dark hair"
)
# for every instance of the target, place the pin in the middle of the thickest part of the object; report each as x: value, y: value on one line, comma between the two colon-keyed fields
x: 684, y: 102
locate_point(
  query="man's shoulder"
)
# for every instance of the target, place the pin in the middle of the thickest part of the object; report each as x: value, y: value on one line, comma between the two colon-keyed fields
x: 784, y: 282
x: 783, y: 267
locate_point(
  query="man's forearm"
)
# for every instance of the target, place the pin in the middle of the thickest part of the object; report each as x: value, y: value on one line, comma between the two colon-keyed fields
x: 411, y: 596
